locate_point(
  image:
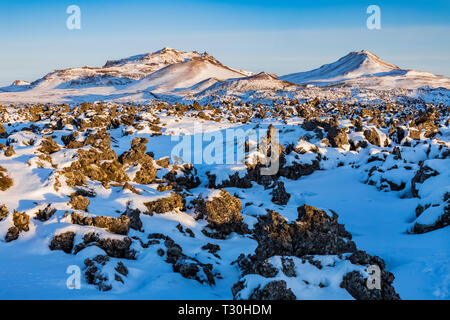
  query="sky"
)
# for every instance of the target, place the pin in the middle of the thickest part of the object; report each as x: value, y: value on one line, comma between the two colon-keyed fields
x: 279, y: 37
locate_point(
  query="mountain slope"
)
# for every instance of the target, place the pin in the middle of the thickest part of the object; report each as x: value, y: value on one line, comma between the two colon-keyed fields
x: 260, y: 81
x: 186, y: 74
x: 353, y: 65
x: 115, y: 72
x: 365, y: 69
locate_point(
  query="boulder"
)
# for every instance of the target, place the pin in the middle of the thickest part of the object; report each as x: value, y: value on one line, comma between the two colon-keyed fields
x: 337, y: 136
x: 424, y: 173
x: 63, y: 241
x: 222, y: 211
x: 79, y: 202
x: 279, y: 194
x: 274, y: 290
x: 166, y: 204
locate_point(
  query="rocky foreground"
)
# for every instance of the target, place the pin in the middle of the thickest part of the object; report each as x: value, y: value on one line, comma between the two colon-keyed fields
x: 95, y: 185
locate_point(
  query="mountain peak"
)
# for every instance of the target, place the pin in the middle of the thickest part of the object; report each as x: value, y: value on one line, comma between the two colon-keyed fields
x: 373, y: 58
x: 165, y: 54
x: 353, y: 65
x: 364, y: 52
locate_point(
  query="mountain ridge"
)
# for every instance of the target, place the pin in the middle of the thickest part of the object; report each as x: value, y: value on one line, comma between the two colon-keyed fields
x: 183, y: 75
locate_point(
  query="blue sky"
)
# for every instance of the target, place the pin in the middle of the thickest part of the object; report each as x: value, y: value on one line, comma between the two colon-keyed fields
x: 274, y: 36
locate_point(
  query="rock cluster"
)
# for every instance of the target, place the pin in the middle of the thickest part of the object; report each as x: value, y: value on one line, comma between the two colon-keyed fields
x: 222, y: 211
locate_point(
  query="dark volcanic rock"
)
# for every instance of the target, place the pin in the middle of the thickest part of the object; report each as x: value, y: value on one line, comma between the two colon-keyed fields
x: 63, y: 241
x: 116, y: 248
x: 421, y: 176
x: 337, y: 137
x: 274, y: 290
x: 45, y: 214
x: 188, y: 267
x: 314, y: 232
x: 441, y: 222
x: 135, y: 218
x: 279, y: 194
x: 12, y: 234
x: 372, y: 136
x: 186, y: 180
x: 94, y: 275
x: 223, y: 213
x: 356, y: 285
x: 288, y: 267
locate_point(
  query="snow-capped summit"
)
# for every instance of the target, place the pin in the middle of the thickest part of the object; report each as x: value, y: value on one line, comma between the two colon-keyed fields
x: 260, y: 81
x: 353, y: 65
x: 115, y: 72
x: 160, y: 57
x: 364, y: 69
x: 166, y: 68
x: 187, y: 73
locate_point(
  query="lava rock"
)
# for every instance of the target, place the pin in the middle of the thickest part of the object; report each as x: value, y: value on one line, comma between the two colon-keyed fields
x: 274, y: 290
x: 79, y: 202
x: 166, y: 204
x: 63, y: 241
x: 223, y: 214
x: 279, y: 194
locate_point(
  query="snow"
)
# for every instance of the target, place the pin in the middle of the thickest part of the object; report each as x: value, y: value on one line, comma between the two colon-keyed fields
x: 377, y: 221
x: 306, y: 285
x: 377, y: 217
x: 169, y: 74
x: 183, y: 75
x: 365, y: 69
x: 353, y: 65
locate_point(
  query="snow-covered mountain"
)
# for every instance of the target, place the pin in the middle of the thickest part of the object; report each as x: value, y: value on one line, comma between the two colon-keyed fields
x: 186, y: 74
x: 170, y: 74
x: 365, y: 69
x: 260, y: 81
x: 110, y: 200
x: 116, y: 72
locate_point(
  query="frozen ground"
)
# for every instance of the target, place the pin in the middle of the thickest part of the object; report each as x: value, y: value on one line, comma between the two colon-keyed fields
x: 375, y: 192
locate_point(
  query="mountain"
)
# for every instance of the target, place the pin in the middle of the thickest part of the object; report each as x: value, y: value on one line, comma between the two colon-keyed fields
x: 115, y: 72
x: 260, y: 81
x: 186, y: 74
x: 353, y: 65
x: 173, y: 75
x: 365, y: 69
x: 164, y: 71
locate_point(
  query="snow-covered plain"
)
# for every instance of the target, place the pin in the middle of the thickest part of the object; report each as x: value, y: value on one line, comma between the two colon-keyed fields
x: 356, y: 144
